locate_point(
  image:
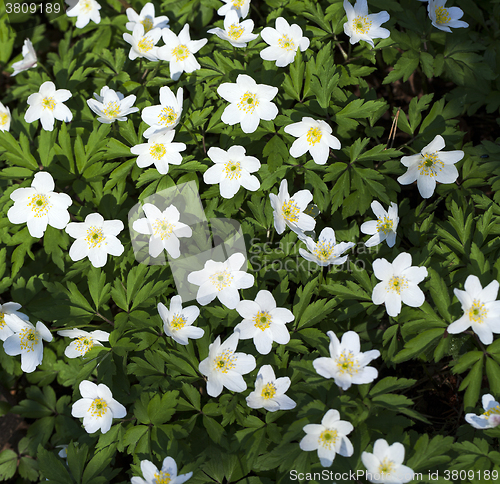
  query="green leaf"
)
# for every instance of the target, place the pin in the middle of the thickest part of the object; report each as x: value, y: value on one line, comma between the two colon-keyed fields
x: 8, y: 464
x: 418, y: 344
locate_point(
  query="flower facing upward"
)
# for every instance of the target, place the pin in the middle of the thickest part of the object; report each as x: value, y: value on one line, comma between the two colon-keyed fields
x: 491, y: 416
x: 95, y: 239
x: 347, y: 364
x: 160, y: 150
x: 399, y: 283
x: 224, y: 368
x: 250, y: 102
x: 326, y: 251
x: 178, y: 320
x: 7, y: 312
x: 313, y: 136
x: 270, y: 391
x: 384, y: 228
x: 430, y: 166
x: 164, y: 228
x: 284, y: 42
x: 385, y: 465
x: 40, y: 206
x: 240, y: 6
x: 83, y: 342
x: 361, y: 26
x: 29, y: 59
x: 97, y: 407
x: 167, y: 475
x: 112, y: 105
x: 290, y: 210
x: 85, y: 11
x: 47, y: 105
x: 232, y: 170
x: 27, y: 342
x: 179, y: 52
x: 263, y: 322
x: 164, y: 116
x: 481, y: 310
x: 443, y: 18
x: 146, y: 18
x: 143, y: 44
x: 221, y: 280
x: 237, y: 33
x: 329, y: 438
x: 5, y: 118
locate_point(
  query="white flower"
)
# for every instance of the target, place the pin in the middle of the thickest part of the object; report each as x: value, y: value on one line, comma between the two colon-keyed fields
x: 224, y: 367
x: 8, y: 311
x: 40, y: 205
x: 430, y: 166
x: 284, y: 41
x: 326, y: 251
x: 179, y: 52
x: 167, y: 475
x: 361, y: 26
x: 143, y: 43
x: 235, y: 32
x: 97, y: 407
x: 250, y: 102
x: 263, y: 322
x: 240, y: 6
x: 177, y: 322
x: 481, y: 310
x: 290, y: 210
x: 27, y: 342
x: 221, y: 280
x: 84, y: 341
x: 5, y: 118
x: 47, y: 105
x: 111, y: 105
x: 146, y: 18
x: 95, y: 239
x: 329, y: 438
x: 232, y: 170
x: 270, y: 391
x: 160, y: 150
x: 164, y: 116
x: 385, y: 465
x: 313, y: 136
x: 85, y: 10
x: 384, y: 228
x: 347, y: 364
x: 29, y: 59
x: 491, y: 416
x: 443, y: 18
x: 164, y: 228
x: 399, y: 283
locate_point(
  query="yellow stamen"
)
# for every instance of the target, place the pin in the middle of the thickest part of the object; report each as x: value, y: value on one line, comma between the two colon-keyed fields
x: 248, y: 102
x: 386, y: 467
x: 328, y: 438
x: 362, y: 24
x: 430, y: 165
x: 4, y: 119
x: 286, y: 43
x: 478, y: 311
x: 2, y: 320
x: 225, y: 361
x: 347, y: 363
x: 85, y: 6
x: 221, y: 279
x: 162, y: 228
x: 98, y: 408
x: 145, y: 44
x: 290, y: 211
x: 492, y: 411
x: 397, y: 284
x: 180, y: 52
x: 148, y: 24
x: 157, y: 151
x: 385, y: 224
x: 95, y: 237
x: 235, y: 31
x: 111, y: 110
x: 442, y: 15
x: 314, y: 135
x: 232, y: 169
x: 269, y: 391
x: 39, y: 204
x: 167, y: 116
x: 262, y: 320
x: 324, y: 250
x: 178, y: 322
x: 84, y: 344
x: 29, y: 338
x: 238, y: 3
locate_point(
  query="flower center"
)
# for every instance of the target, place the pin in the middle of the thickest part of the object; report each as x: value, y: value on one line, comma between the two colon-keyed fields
x: 29, y: 338
x: 48, y: 103
x: 162, y: 477
x: 362, y: 24
x: 162, y: 228
x: 314, y: 135
x: 262, y: 320
x: 290, y: 211
x: 324, y: 250
x: 180, y: 52
x: 232, y: 169
x: 478, y: 311
x: 148, y: 24
x: 269, y: 391
x: 430, y: 165
x: 238, y: 3
x: 85, y: 6
x: 157, y: 151
x: 95, y: 237
x: 286, y: 43
x: 442, y: 15
x: 386, y: 467
x: 2, y: 320
x: 235, y: 31
x: 145, y: 44
x: 84, y: 344
x: 4, y: 119
x: 248, y: 102
x: 98, y: 408
x: 167, y: 116
x: 347, y: 363
x: 492, y: 411
x: 112, y: 110
x: 327, y: 438
x: 39, y: 204
x: 225, y: 361
x: 178, y: 321
x: 384, y: 224
x: 397, y: 284
x: 221, y: 279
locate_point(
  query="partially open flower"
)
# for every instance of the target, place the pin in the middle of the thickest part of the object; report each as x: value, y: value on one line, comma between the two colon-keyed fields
x: 112, y: 105
x: 29, y: 59
x: 237, y: 33
x: 177, y: 322
x: 85, y: 11
x: 443, y: 18
x: 491, y: 416
x: 384, y: 228
x: 83, y: 342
